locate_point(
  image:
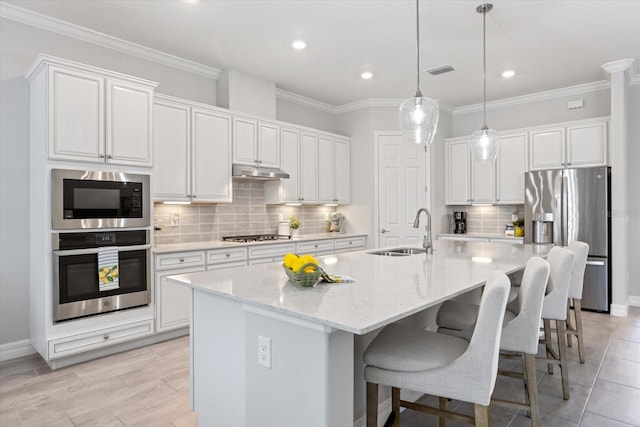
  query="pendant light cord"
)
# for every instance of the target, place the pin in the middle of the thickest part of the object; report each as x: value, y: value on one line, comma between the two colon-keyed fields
x: 484, y: 62
x: 418, y: 92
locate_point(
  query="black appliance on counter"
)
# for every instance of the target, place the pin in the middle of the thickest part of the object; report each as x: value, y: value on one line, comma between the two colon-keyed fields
x: 459, y: 222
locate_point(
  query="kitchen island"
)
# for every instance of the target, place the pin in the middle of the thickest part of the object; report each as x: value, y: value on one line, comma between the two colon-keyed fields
x: 267, y: 353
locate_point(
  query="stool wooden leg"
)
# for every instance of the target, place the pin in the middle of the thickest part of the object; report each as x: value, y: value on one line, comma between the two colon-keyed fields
x: 443, y: 405
x: 395, y: 405
x: 562, y: 349
x: 577, y: 305
x: 547, y: 339
x: 483, y: 415
x: 525, y: 379
x: 569, y: 321
x: 372, y: 405
x: 532, y: 388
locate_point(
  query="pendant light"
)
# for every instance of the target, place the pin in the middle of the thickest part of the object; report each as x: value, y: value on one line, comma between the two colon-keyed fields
x: 485, y: 142
x: 419, y: 115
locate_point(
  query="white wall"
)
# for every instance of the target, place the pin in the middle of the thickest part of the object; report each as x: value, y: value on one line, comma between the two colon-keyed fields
x: 292, y: 112
x: 596, y: 104
x: 633, y: 171
x: 19, y: 45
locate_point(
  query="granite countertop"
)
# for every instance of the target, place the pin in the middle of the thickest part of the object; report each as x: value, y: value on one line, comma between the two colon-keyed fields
x: 218, y: 244
x: 480, y: 236
x: 386, y: 288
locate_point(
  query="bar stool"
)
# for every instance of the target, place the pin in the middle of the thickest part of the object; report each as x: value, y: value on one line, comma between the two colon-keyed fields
x: 554, y: 307
x: 520, y: 330
x: 581, y: 251
x: 439, y: 364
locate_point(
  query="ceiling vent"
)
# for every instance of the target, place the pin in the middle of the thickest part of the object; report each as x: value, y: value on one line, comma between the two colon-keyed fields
x: 440, y: 70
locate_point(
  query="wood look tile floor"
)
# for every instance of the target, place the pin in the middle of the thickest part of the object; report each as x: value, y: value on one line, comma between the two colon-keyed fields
x: 150, y: 387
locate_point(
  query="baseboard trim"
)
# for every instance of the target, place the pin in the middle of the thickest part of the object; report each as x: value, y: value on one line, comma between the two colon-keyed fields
x: 15, y: 349
x: 634, y: 300
x: 620, y: 310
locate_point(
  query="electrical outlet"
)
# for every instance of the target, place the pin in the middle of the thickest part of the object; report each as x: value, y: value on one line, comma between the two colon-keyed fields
x: 175, y: 219
x: 281, y: 217
x: 264, y: 352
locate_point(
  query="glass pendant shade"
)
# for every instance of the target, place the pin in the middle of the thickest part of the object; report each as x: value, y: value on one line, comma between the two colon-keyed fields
x: 485, y: 144
x: 419, y: 119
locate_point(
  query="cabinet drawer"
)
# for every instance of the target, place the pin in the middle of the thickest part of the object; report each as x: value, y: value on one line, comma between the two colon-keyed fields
x: 314, y: 246
x: 219, y: 266
x: 271, y: 251
x: 465, y: 239
x: 218, y: 256
x: 507, y: 240
x: 350, y: 243
x: 179, y: 260
x: 97, y: 339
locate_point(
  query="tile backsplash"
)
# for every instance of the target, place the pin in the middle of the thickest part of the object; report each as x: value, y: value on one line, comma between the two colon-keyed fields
x: 248, y: 214
x: 486, y: 219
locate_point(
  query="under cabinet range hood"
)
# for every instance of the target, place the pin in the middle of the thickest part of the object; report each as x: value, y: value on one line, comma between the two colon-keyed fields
x: 259, y: 173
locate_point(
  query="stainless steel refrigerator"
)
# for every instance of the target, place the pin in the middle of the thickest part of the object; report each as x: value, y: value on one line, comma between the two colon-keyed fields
x: 563, y: 205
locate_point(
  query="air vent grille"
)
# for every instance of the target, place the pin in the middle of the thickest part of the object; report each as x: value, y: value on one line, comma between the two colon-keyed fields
x: 440, y: 70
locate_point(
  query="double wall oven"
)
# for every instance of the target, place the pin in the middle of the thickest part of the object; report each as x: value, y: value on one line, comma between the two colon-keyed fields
x: 95, y: 214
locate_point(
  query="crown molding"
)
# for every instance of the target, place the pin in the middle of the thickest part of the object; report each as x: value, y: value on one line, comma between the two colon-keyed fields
x: 635, y: 80
x: 68, y: 29
x: 304, y: 101
x: 620, y: 65
x: 535, y: 97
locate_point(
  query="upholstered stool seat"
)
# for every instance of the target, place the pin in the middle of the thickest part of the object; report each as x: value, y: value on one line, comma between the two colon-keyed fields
x: 438, y: 364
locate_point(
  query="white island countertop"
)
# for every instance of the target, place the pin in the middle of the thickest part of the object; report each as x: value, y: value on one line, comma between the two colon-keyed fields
x: 386, y: 288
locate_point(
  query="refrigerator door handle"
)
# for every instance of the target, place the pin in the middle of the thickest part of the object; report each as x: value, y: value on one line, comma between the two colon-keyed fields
x: 595, y: 262
x: 564, y: 211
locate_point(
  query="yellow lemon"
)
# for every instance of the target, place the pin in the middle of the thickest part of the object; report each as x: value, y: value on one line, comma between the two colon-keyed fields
x: 309, y: 258
x: 297, y: 265
x: 289, y: 260
x: 309, y: 269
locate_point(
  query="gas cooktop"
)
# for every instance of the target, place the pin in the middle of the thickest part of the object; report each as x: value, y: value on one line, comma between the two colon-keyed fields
x: 253, y: 238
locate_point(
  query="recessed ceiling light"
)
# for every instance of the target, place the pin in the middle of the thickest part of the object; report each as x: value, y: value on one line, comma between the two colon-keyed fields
x: 366, y: 75
x: 299, y: 44
x: 508, y: 74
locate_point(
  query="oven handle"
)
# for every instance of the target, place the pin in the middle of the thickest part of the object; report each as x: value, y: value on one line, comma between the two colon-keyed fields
x: 69, y: 252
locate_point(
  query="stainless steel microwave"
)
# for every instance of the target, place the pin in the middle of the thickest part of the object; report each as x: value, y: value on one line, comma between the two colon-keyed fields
x: 99, y: 199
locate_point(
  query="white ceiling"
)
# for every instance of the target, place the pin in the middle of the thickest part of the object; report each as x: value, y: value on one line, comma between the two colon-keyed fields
x: 550, y: 44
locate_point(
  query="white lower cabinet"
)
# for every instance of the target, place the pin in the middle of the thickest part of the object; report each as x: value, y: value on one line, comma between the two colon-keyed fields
x: 315, y: 247
x: 172, y: 300
x: 349, y: 244
x: 262, y: 254
x: 94, y: 340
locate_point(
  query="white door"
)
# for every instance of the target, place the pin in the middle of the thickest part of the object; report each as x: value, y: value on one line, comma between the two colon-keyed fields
x: 402, y: 190
x: 586, y: 145
x: 326, y: 167
x: 245, y: 133
x: 290, y: 158
x: 342, y: 171
x: 269, y: 145
x: 308, y: 167
x: 457, y: 165
x: 510, y: 168
x: 546, y: 149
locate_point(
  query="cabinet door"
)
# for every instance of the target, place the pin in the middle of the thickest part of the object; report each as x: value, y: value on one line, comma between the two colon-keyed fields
x: 457, y: 176
x: 211, y: 156
x: 172, y: 136
x: 269, y: 145
x: 76, y: 116
x: 308, y: 168
x: 326, y: 170
x: 172, y: 300
x: 587, y: 145
x: 510, y: 169
x: 342, y: 173
x: 290, y: 148
x: 482, y: 184
x: 129, y: 126
x: 547, y: 149
x: 244, y: 141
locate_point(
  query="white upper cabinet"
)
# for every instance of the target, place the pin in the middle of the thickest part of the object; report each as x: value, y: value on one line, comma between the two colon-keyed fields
x: 587, y: 144
x: 256, y: 142
x: 287, y: 190
x: 192, y: 152
x: 482, y: 181
x: 333, y: 168
x: 511, y: 165
x: 576, y: 144
x: 93, y: 115
x: 308, y: 168
x: 458, y: 170
x: 547, y: 148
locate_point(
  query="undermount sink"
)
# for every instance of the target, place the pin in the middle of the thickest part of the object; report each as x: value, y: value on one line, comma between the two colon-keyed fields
x: 399, y: 252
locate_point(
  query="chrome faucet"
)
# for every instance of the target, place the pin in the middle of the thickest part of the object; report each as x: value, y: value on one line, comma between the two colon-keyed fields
x: 426, y: 240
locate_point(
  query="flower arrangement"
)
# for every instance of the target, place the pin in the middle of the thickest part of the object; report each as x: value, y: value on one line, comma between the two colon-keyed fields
x: 294, y: 222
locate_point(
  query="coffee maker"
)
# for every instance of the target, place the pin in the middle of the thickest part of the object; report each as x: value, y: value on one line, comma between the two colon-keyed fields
x: 459, y: 222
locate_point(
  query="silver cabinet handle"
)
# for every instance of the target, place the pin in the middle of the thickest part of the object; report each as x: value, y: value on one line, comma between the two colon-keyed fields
x: 382, y: 230
x: 181, y: 259
x: 101, y: 156
x: 315, y: 246
x: 105, y: 336
x: 110, y: 156
x: 595, y: 262
x: 227, y: 254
